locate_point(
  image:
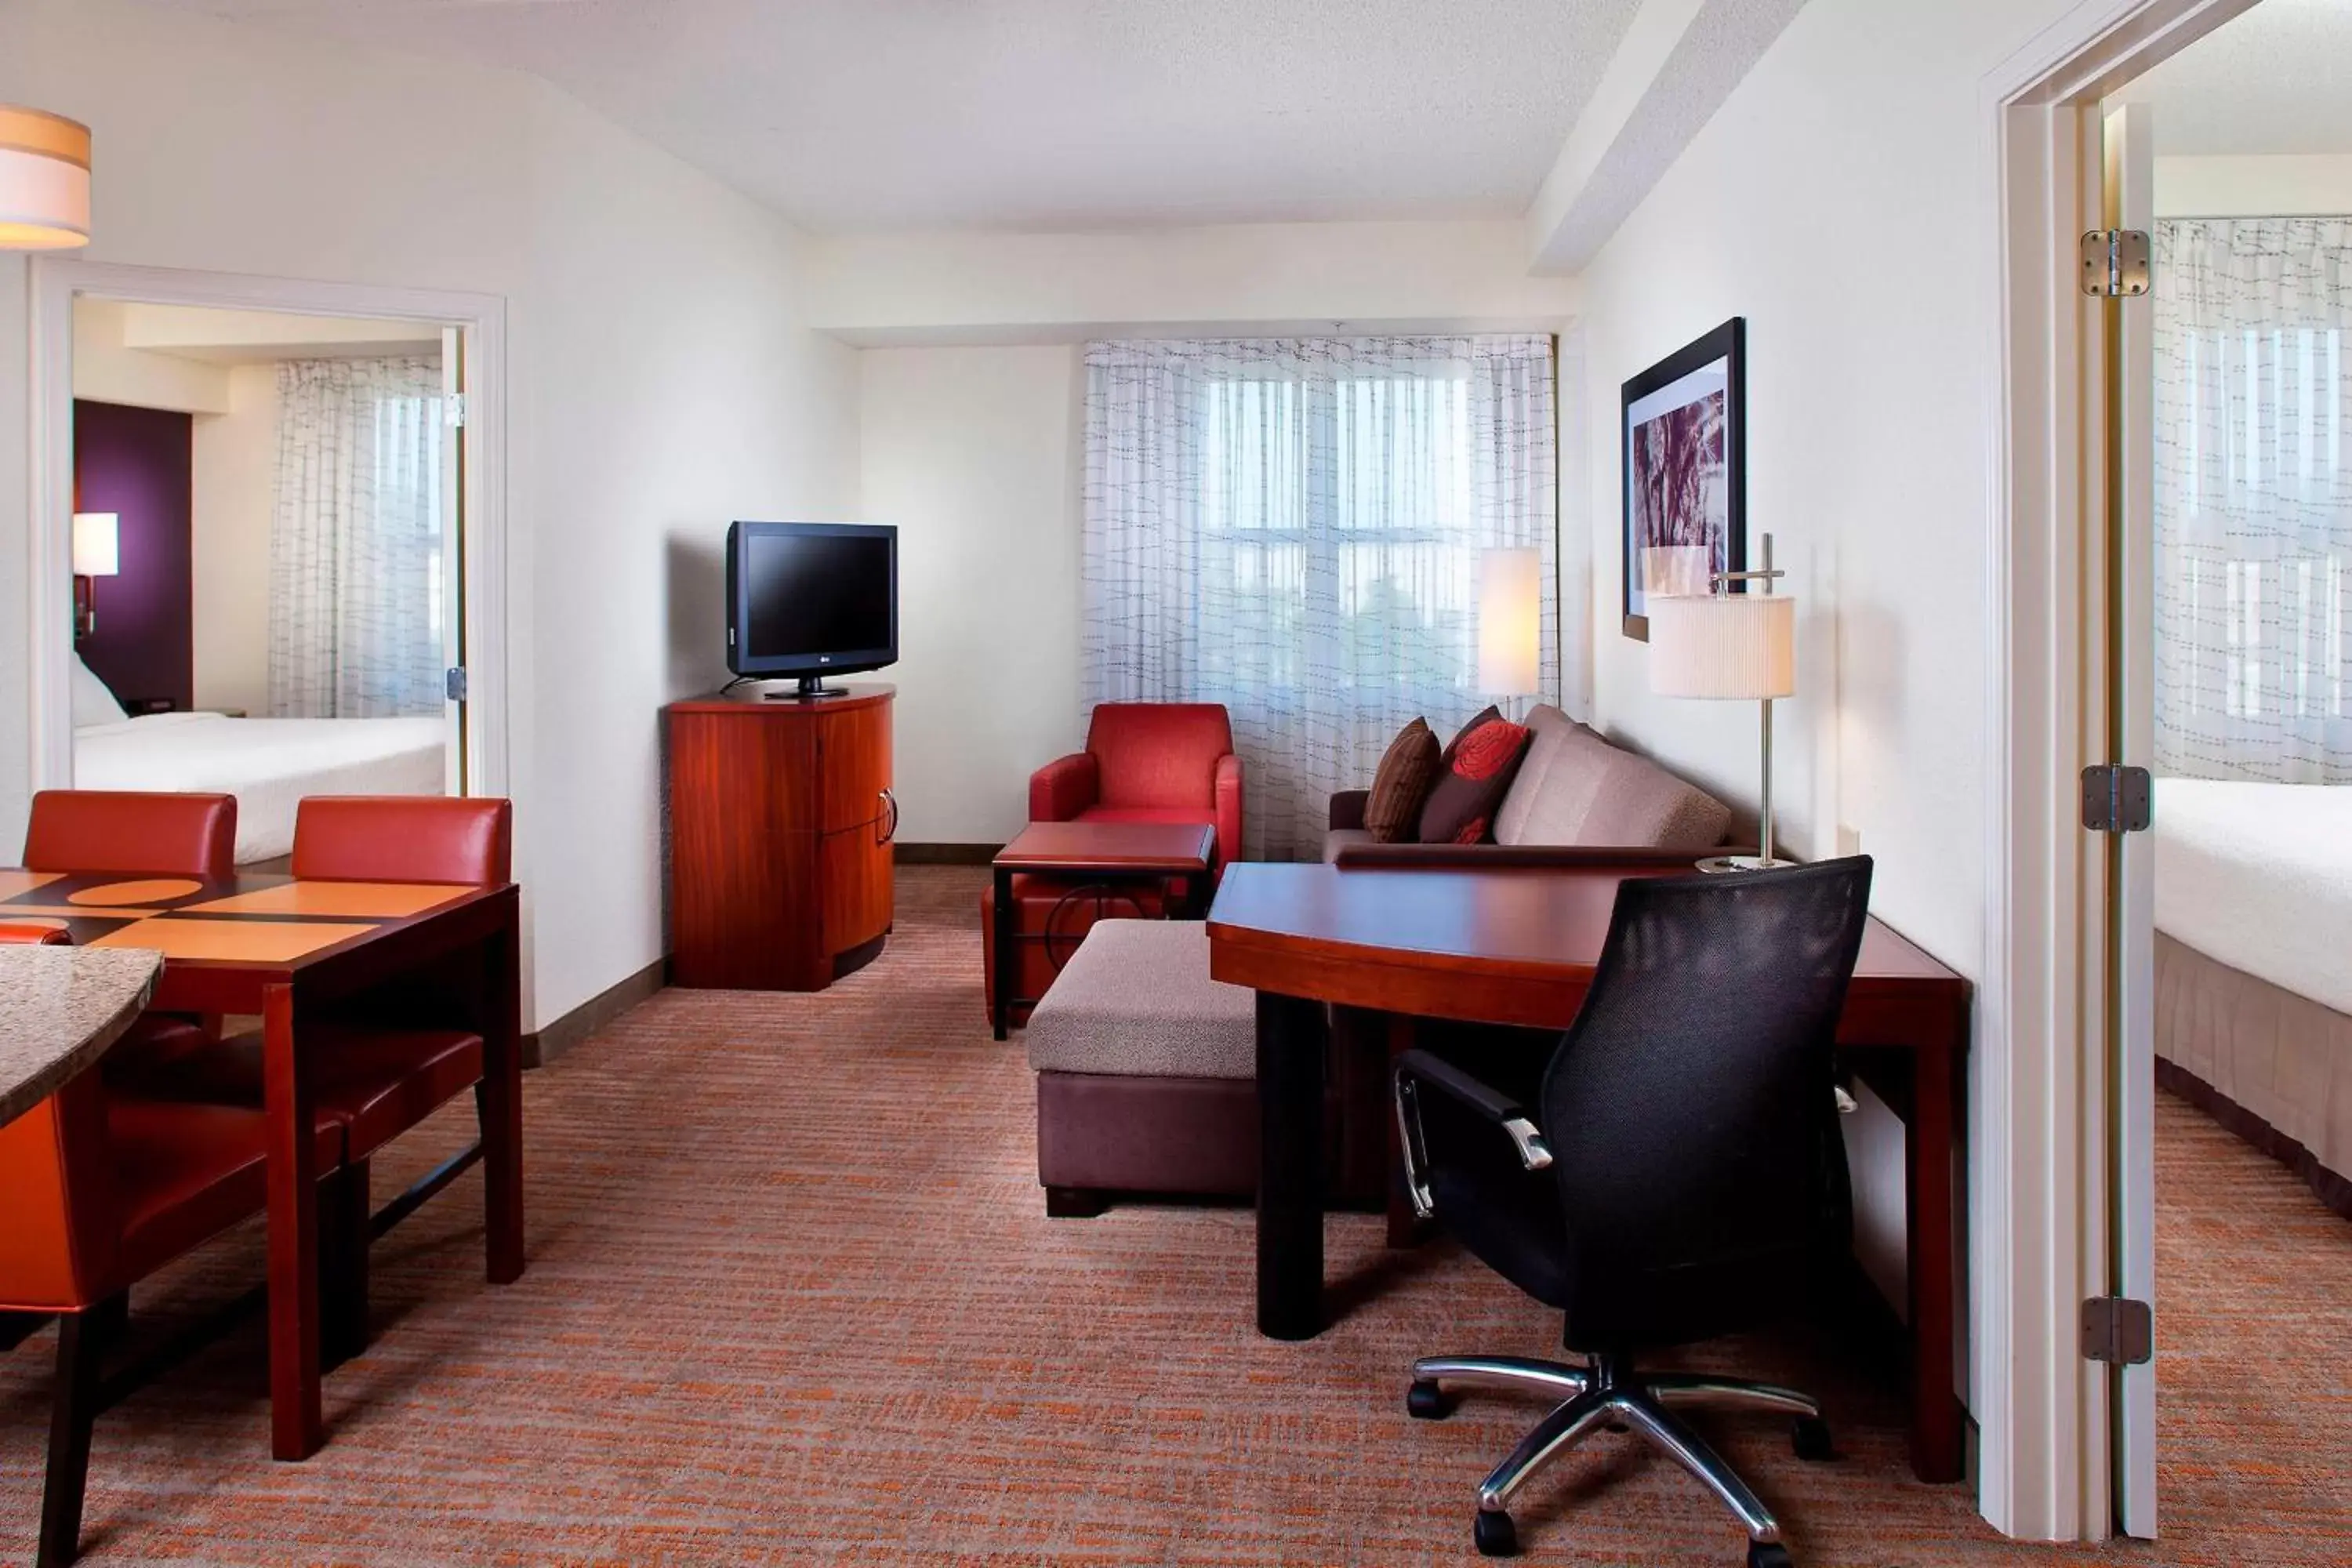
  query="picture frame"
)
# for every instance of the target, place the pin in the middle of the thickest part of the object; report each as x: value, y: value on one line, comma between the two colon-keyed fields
x: 1683, y: 463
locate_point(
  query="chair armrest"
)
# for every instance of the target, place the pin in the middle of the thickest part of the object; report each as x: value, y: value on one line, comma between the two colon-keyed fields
x: 1228, y: 796
x: 1065, y: 787
x: 1418, y: 1071
x: 1348, y: 809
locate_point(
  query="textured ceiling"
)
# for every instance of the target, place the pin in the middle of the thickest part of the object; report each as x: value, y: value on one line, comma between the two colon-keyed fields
x: 1046, y: 114
x: 2276, y: 79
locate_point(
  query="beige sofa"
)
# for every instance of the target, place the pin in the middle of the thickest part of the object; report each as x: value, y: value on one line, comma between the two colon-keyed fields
x: 1573, y: 789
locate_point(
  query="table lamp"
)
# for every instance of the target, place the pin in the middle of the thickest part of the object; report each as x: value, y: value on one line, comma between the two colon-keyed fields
x: 97, y: 552
x: 1510, y: 621
x: 1730, y: 646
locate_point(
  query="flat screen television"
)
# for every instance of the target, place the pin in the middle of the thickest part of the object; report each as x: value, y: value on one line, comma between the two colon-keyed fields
x: 811, y: 599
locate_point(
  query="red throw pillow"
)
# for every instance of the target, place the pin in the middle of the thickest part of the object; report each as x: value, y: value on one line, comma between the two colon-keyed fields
x: 1484, y: 715
x: 1478, y: 770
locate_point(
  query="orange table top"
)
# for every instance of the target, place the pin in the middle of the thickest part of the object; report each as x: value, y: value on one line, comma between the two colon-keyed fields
x: 243, y: 920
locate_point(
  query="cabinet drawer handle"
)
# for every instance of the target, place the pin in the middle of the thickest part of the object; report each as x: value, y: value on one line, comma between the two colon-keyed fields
x: 890, y: 834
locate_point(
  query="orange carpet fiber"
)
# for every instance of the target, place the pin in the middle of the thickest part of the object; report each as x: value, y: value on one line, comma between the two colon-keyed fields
x: 793, y: 1298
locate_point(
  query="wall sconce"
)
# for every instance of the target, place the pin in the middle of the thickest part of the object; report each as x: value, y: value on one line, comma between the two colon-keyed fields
x: 97, y: 552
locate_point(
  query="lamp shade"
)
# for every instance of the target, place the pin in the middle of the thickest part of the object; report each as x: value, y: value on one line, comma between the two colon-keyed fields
x: 1510, y: 617
x: 43, y: 181
x: 96, y: 543
x: 1724, y: 645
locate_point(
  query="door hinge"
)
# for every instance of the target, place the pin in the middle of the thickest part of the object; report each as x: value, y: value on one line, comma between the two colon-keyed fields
x: 2119, y: 1330
x: 453, y: 410
x: 454, y: 683
x: 2115, y: 263
x: 2117, y: 799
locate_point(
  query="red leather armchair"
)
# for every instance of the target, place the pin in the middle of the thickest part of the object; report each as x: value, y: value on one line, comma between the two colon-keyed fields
x: 1148, y: 761
x: 1144, y: 761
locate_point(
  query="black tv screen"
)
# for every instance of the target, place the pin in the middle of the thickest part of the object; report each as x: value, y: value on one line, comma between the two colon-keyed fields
x: 806, y: 598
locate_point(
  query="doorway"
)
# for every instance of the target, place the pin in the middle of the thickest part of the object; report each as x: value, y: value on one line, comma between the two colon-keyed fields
x: 273, y: 515
x: 2230, y: 582
x: 2080, y: 675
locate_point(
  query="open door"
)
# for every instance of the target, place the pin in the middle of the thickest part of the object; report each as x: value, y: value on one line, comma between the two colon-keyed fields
x: 2130, y: 205
x: 453, y: 556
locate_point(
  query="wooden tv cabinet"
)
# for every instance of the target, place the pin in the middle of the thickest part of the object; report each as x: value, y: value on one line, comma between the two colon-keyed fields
x: 781, y: 821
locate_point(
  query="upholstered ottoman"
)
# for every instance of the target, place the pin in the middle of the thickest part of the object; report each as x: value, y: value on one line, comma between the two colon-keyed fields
x: 1147, y: 1070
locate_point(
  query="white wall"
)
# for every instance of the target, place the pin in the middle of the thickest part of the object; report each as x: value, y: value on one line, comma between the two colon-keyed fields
x: 106, y: 370
x: 662, y: 378
x: 975, y: 454
x: 1868, y: 446
x: 235, y: 490
x: 2317, y: 185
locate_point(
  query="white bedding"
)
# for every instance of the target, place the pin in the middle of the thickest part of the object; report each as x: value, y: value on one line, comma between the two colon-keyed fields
x: 2259, y: 876
x: 269, y: 764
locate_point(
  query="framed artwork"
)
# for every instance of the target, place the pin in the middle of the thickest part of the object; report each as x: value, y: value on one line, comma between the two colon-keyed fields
x: 1685, y: 472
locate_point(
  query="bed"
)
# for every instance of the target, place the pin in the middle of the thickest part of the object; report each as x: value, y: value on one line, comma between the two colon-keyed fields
x: 2253, y: 966
x: 269, y: 764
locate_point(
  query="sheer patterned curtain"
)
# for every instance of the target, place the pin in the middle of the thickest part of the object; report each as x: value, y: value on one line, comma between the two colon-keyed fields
x: 356, y: 569
x: 2254, y: 498
x: 1295, y: 528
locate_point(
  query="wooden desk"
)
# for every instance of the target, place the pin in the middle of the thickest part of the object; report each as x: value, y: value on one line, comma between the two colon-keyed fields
x: 1517, y: 947
x: 274, y: 946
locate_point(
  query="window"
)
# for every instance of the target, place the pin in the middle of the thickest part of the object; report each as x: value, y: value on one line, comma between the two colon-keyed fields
x: 1294, y: 529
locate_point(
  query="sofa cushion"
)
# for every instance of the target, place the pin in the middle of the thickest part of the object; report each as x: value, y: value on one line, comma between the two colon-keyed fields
x: 1136, y: 999
x: 1640, y: 803
x: 1548, y: 732
x: 1597, y: 793
x: 1407, y: 773
x: 1477, y: 774
x: 1339, y: 839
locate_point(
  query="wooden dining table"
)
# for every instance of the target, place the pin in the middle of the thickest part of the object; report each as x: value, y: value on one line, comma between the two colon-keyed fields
x: 1374, y: 949
x: 279, y: 947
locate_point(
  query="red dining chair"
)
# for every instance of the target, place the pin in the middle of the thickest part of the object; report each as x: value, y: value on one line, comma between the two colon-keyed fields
x: 385, y: 1060
x: 103, y: 1189
x: 131, y: 831
x: 137, y: 833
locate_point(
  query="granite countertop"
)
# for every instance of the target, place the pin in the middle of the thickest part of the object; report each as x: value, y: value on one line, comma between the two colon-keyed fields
x: 60, y: 1007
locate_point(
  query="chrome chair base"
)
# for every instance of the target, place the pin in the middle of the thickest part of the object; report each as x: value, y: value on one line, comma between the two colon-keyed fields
x: 1610, y: 1393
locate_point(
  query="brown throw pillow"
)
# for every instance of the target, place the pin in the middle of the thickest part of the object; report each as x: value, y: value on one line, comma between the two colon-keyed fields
x: 1478, y: 770
x: 1392, y: 811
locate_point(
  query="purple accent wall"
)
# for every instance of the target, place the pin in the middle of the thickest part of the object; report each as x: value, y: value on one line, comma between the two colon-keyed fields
x: 137, y: 462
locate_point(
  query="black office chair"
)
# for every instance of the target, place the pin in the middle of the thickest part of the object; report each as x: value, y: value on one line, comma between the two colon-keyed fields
x: 1685, y: 1177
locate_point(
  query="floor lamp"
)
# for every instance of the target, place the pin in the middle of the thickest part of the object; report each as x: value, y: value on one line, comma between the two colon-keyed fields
x: 1510, y: 622
x: 1730, y: 646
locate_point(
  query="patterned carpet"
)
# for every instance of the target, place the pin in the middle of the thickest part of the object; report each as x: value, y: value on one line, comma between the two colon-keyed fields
x: 793, y: 1298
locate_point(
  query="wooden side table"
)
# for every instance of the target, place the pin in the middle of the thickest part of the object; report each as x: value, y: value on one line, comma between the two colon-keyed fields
x: 1107, y: 852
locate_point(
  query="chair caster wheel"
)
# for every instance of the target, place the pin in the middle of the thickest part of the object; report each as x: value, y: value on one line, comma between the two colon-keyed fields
x: 1496, y: 1534
x: 1809, y: 1437
x: 1769, y: 1554
x: 1427, y: 1401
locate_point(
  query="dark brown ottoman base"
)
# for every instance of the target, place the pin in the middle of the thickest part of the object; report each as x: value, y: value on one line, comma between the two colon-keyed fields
x: 1103, y: 1134
x: 1147, y: 1079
